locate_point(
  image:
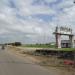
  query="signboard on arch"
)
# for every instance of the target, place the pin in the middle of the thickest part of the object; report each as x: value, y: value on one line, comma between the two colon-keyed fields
x: 64, y: 30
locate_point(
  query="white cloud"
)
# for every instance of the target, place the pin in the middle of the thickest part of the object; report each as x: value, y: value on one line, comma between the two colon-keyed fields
x: 29, y: 29
x: 26, y: 8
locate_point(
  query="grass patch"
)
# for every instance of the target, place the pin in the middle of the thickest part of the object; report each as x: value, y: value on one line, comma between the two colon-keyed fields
x: 66, y: 49
x: 48, y: 46
x: 40, y: 45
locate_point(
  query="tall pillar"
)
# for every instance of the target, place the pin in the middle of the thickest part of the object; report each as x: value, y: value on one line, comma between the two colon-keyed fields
x: 58, y: 41
x: 71, y: 38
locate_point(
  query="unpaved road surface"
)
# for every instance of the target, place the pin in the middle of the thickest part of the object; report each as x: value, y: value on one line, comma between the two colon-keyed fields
x: 13, y: 65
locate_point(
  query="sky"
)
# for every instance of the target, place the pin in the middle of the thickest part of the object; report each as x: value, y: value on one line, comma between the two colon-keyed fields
x: 34, y: 21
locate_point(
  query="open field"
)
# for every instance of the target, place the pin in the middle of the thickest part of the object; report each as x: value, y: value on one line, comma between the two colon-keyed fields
x: 48, y: 47
x: 40, y: 45
x: 53, y: 48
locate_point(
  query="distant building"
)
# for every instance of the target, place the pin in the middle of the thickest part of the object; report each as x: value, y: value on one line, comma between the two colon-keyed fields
x: 53, y: 43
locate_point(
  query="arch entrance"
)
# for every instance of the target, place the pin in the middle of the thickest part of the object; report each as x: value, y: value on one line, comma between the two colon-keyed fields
x: 59, y: 31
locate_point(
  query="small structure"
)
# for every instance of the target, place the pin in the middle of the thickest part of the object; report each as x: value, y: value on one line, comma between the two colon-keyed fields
x: 65, y: 44
x: 59, y: 31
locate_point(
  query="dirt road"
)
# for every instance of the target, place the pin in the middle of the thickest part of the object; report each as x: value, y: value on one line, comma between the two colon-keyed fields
x: 13, y: 65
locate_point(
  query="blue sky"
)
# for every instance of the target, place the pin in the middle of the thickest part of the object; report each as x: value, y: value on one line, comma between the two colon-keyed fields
x: 33, y: 21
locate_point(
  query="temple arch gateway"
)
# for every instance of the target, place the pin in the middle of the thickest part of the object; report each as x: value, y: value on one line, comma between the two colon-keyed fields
x: 59, y: 31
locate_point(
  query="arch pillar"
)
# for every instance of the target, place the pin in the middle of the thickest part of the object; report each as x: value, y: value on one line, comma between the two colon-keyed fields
x: 58, y: 40
x: 71, y: 38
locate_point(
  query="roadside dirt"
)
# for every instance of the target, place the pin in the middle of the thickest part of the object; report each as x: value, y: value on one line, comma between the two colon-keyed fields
x: 51, y: 63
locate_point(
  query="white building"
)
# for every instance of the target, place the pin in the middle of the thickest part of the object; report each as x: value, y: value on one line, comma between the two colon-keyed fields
x: 65, y: 44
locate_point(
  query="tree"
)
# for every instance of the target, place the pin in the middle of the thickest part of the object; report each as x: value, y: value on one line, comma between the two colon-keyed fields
x: 17, y: 44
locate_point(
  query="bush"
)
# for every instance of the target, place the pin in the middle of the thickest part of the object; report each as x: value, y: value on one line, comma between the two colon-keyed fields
x: 17, y: 44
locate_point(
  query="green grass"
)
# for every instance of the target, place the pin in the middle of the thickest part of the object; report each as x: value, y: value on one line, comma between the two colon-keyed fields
x: 40, y: 46
x: 66, y: 49
x: 48, y: 46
